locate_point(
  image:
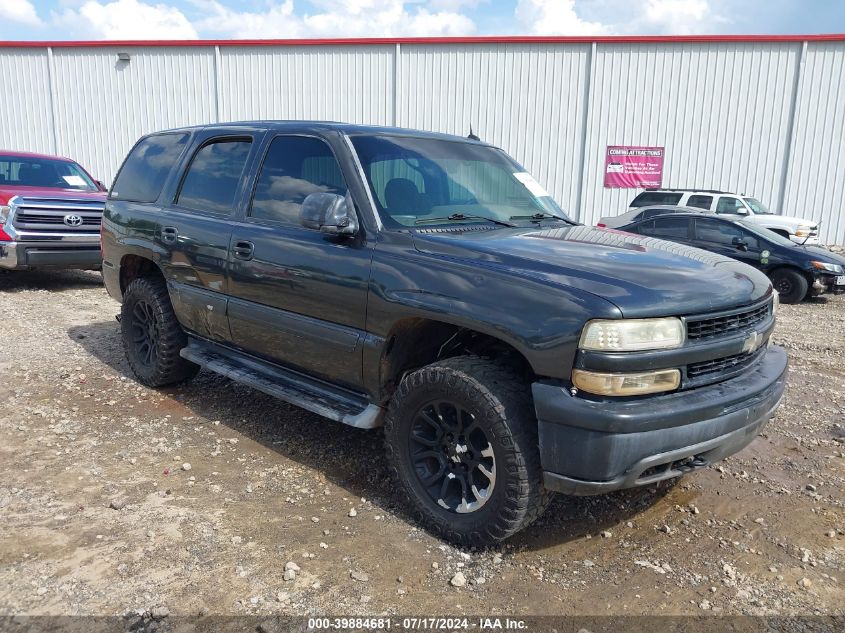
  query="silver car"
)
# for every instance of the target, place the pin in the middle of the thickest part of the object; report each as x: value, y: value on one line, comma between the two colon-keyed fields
x: 643, y: 213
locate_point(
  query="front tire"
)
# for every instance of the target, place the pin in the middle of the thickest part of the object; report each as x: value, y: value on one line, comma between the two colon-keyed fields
x: 790, y: 284
x: 152, y: 337
x: 461, y: 438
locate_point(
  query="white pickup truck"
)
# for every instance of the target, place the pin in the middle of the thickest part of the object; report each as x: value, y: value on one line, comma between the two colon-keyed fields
x: 799, y: 230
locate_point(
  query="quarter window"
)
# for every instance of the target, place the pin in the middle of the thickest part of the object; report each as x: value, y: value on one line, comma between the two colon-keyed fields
x: 146, y: 168
x: 700, y: 202
x: 214, y: 175
x: 295, y: 166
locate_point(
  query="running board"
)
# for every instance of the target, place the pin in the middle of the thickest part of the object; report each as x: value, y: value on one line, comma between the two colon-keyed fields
x: 313, y: 395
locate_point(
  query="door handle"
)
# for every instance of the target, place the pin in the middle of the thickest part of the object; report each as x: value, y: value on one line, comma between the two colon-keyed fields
x: 243, y: 249
x: 169, y: 234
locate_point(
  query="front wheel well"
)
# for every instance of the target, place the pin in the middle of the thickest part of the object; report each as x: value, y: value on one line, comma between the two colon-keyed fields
x: 134, y: 266
x: 781, y: 232
x: 415, y: 342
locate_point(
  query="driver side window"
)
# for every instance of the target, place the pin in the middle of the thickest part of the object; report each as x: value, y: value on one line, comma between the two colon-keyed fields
x: 723, y: 233
x: 294, y: 167
x: 730, y: 206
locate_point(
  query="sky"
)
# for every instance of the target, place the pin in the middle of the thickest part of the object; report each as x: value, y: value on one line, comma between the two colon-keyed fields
x: 282, y: 19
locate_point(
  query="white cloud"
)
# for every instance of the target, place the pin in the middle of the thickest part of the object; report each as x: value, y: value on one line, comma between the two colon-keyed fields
x: 679, y: 17
x: 125, y: 20
x: 19, y: 11
x: 335, y: 18
x: 555, y: 17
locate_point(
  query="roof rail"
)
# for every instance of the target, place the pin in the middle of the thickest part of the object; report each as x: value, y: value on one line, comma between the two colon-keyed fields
x: 685, y: 189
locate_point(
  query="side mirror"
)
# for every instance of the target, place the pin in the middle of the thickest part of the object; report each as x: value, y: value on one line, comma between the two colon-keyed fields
x: 740, y: 243
x: 742, y: 211
x: 329, y: 213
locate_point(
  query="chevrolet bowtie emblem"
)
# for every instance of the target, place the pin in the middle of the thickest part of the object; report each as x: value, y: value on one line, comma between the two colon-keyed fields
x: 751, y: 343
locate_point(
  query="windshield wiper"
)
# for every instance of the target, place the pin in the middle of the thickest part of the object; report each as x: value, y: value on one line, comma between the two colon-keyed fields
x: 543, y: 216
x: 460, y: 216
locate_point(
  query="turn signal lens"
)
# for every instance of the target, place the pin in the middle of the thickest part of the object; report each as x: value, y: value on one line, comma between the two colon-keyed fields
x: 632, y: 335
x: 626, y: 384
x: 4, y: 214
x: 775, y: 302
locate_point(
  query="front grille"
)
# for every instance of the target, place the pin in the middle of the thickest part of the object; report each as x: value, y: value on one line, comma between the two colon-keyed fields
x: 47, y: 215
x: 709, y: 327
x: 719, y: 365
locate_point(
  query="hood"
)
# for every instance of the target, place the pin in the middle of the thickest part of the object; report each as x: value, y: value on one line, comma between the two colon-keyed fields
x: 780, y: 220
x: 8, y: 192
x: 822, y: 254
x: 642, y: 276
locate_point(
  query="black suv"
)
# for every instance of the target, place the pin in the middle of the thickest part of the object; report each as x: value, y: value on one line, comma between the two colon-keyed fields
x: 428, y: 283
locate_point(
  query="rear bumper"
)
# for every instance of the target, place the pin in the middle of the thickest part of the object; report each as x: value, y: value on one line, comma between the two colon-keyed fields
x: 591, y: 447
x: 25, y: 255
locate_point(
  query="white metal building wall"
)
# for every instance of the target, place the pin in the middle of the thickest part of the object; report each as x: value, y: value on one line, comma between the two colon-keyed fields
x: 760, y: 117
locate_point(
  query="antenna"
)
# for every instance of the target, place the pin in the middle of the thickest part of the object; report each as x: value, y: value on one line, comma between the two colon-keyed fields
x: 471, y: 136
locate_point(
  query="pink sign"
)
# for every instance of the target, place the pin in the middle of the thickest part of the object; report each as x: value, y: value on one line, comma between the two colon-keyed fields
x: 628, y: 167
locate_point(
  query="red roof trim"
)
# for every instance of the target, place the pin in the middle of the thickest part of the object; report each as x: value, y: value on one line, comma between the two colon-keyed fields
x: 495, y: 39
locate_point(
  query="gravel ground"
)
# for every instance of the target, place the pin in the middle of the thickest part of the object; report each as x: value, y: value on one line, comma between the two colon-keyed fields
x: 213, y: 498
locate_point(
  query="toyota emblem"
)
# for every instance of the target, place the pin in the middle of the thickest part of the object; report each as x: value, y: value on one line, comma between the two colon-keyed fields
x: 73, y: 220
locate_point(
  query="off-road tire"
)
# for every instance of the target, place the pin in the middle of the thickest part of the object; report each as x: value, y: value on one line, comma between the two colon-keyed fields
x: 166, y: 367
x: 791, y: 285
x: 501, y: 402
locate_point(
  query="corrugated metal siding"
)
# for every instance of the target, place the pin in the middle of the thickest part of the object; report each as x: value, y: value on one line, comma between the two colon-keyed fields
x: 104, y: 105
x: 334, y: 83
x: 815, y: 187
x: 25, y: 117
x: 723, y: 110
x: 525, y: 98
x: 720, y: 110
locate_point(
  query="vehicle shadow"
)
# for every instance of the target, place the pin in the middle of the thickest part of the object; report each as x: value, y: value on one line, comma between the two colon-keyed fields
x: 50, y: 280
x: 348, y: 457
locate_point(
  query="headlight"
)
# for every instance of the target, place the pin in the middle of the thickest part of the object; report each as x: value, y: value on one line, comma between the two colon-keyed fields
x: 803, y: 230
x: 632, y: 335
x: 831, y: 268
x: 4, y: 214
x: 637, y: 384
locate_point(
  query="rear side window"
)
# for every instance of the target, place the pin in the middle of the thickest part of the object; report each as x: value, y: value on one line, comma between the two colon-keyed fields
x: 700, y: 202
x: 670, y: 228
x: 648, y: 198
x: 653, y: 213
x: 145, y: 169
x: 295, y: 166
x: 214, y: 175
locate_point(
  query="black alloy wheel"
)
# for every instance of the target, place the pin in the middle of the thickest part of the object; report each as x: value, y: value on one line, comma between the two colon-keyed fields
x: 144, y: 333
x: 453, y: 458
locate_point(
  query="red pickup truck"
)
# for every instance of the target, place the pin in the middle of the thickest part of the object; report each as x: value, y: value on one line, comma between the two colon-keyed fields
x: 50, y: 212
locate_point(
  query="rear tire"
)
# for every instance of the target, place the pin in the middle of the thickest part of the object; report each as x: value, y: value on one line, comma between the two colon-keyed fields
x: 791, y: 285
x: 461, y: 438
x: 152, y: 337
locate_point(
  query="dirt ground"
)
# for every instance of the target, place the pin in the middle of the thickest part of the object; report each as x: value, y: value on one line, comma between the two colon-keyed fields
x: 115, y: 498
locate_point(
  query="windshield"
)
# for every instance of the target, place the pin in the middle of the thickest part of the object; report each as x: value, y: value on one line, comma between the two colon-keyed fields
x: 30, y: 171
x: 757, y: 207
x: 766, y: 234
x: 425, y: 182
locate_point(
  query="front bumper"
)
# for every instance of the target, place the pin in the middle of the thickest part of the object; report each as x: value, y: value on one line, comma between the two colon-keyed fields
x: 830, y: 285
x: 596, y: 446
x: 26, y: 255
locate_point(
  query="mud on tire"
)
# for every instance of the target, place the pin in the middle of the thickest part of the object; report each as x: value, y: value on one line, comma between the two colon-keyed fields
x: 152, y: 337
x: 499, y: 433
